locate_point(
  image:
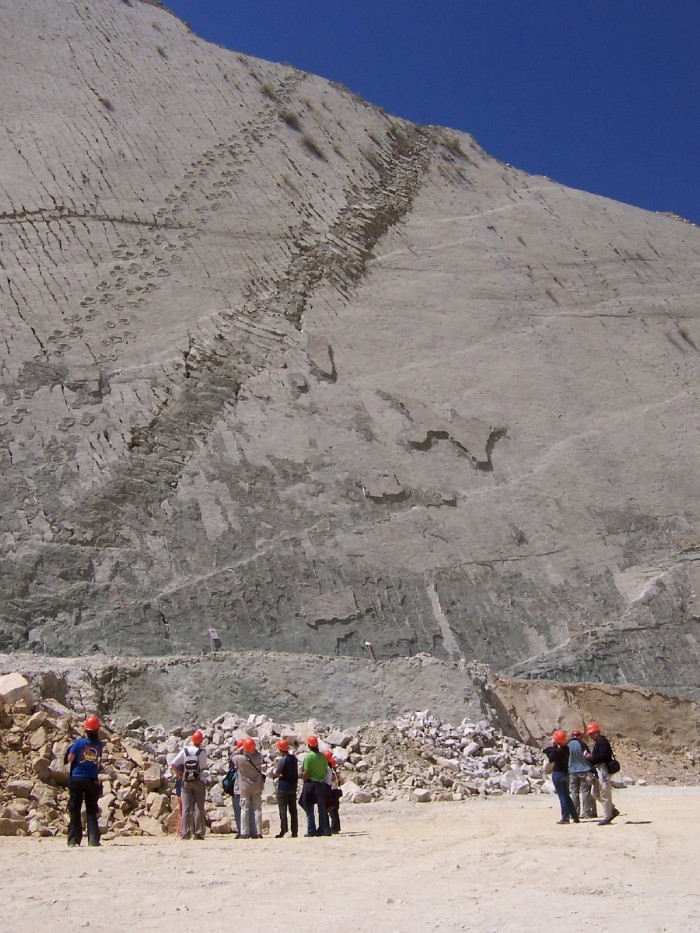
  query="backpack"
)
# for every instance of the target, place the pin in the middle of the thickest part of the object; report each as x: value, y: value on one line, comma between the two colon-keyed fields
x: 190, y: 769
x: 228, y: 780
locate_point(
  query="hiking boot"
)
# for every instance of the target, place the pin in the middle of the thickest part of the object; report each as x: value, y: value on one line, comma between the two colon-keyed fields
x: 562, y: 822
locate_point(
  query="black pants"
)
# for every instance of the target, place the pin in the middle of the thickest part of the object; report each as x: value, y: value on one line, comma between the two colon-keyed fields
x: 80, y: 789
x: 287, y: 800
x: 334, y: 811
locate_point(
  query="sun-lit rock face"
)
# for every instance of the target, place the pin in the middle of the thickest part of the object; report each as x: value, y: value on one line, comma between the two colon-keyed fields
x: 278, y: 364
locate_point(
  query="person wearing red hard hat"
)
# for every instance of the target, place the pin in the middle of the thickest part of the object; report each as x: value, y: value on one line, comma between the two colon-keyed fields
x: 190, y: 765
x: 581, y: 777
x: 558, y: 755
x: 599, y: 757
x: 286, y: 772
x: 334, y: 792
x: 84, y: 758
x: 250, y: 781
x: 314, y: 792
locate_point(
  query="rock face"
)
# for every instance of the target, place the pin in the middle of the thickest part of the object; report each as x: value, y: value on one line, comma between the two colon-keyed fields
x: 277, y: 364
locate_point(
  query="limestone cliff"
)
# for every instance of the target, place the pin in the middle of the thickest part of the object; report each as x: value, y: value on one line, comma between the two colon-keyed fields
x: 276, y: 363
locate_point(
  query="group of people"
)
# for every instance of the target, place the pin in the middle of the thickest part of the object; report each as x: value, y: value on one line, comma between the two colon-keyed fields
x: 581, y: 775
x: 319, y: 798
x: 581, y: 778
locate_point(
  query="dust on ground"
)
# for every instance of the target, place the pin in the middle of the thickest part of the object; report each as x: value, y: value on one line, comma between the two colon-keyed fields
x: 498, y: 864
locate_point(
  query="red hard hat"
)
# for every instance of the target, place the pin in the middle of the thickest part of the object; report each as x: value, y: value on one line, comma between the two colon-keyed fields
x: 91, y: 724
x: 328, y: 755
x: 248, y: 745
x: 575, y: 733
x: 283, y: 745
x: 197, y: 737
x: 559, y: 736
x: 312, y: 741
x: 592, y: 727
x: 239, y: 743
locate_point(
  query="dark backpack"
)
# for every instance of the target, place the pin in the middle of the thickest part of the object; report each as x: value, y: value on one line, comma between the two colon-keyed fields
x: 228, y: 781
x: 190, y: 769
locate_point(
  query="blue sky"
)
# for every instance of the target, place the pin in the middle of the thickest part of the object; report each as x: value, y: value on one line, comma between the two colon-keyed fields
x: 603, y: 95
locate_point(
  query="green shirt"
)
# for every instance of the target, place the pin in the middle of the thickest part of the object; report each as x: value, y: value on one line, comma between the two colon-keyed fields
x: 315, y: 765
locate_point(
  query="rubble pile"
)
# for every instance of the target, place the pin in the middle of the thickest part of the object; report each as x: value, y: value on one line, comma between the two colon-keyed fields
x: 425, y: 758
x: 418, y: 756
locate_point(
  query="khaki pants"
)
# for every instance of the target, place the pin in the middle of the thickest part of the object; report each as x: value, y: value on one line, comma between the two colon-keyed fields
x: 193, y: 794
x: 251, y: 803
x: 580, y: 787
x: 603, y: 791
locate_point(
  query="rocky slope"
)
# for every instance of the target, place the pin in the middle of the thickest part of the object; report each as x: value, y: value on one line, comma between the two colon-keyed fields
x: 276, y: 363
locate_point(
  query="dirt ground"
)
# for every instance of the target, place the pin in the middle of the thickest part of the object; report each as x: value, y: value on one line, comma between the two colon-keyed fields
x: 499, y: 864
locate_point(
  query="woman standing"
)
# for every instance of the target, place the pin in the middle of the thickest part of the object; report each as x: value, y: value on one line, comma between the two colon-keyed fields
x: 558, y: 755
x: 84, y: 757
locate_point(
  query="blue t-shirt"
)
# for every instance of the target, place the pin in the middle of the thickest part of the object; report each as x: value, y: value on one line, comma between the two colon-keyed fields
x: 87, y: 759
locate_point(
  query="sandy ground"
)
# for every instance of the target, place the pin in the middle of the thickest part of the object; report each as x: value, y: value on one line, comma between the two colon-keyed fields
x: 484, y: 865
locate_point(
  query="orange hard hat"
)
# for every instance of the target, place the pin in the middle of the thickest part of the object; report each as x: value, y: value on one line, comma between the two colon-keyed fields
x: 248, y: 745
x: 91, y: 724
x: 559, y: 736
x: 328, y: 755
x: 239, y: 743
x: 283, y: 745
x: 197, y: 737
x: 592, y: 728
x: 575, y: 733
x: 312, y: 741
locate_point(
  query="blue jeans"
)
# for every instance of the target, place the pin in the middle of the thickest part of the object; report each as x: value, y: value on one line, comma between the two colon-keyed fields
x: 560, y: 779
x: 317, y: 795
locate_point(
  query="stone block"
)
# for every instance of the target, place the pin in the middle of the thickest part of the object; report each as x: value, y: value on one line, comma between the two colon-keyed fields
x: 15, y: 688
x: 159, y: 806
x: 150, y: 826
x: 40, y: 767
x: 134, y: 754
x: 422, y: 795
x: 38, y: 738
x: 222, y: 827
x: 55, y: 709
x: 338, y: 737
x: 19, y: 788
x: 153, y: 776
x: 35, y: 721
x: 13, y: 827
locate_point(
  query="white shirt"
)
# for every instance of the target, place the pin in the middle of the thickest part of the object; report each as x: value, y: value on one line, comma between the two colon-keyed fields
x: 179, y: 760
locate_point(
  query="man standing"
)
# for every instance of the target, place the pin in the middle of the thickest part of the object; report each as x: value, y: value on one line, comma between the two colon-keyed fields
x: 190, y: 766
x: 313, y: 773
x: 599, y: 756
x: 84, y: 758
x: 286, y: 773
x: 251, y: 781
x: 581, y: 777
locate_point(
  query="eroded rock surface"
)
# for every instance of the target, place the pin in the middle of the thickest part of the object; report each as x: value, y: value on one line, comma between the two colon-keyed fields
x: 234, y: 295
